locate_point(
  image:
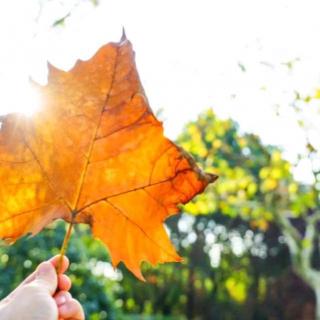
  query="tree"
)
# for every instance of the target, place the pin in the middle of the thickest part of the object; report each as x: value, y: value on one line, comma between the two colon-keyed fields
x: 257, y: 184
x: 299, y: 216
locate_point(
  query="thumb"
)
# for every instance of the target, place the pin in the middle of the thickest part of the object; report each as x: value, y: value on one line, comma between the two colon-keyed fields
x: 46, y: 276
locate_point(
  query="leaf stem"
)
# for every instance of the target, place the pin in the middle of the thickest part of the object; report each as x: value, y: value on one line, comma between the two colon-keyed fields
x: 65, y: 243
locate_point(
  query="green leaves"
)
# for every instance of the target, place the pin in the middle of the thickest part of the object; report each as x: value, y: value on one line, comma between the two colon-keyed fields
x: 255, y: 180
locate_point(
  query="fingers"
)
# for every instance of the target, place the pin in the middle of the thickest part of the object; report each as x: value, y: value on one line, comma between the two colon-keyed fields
x: 65, y: 262
x: 68, y: 307
x: 54, y: 261
x: 71, y: 310
x: 62, y: 297
x: 46, y: 277
x: 46, y: 272
x: 64, y: 282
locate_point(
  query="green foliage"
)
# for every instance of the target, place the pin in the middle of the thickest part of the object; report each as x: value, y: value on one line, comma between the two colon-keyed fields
x: 255, y: 180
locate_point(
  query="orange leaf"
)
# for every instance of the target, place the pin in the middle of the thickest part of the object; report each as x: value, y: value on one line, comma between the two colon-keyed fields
x: 96, y: 152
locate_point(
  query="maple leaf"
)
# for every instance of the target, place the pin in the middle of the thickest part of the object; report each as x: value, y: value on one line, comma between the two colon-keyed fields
x: 96, y: 154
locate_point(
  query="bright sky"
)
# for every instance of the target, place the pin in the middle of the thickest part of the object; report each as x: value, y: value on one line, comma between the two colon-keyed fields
x: 191, y: 55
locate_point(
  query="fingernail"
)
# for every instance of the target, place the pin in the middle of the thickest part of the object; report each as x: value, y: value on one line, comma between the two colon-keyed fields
x: 44, y: 268
x: 61, y: 300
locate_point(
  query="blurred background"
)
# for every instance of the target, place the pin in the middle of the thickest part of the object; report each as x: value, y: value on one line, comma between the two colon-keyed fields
x: 237, y: 84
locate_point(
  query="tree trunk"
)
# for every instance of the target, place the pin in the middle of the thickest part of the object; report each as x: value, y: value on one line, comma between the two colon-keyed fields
x: 253, y: 293
x: 312, y: 278
x: 317, y: 303
x: 191, y: 294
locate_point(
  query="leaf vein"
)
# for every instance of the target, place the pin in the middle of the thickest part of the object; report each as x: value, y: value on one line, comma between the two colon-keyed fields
x: 85, y: 170
x: 134, y: 189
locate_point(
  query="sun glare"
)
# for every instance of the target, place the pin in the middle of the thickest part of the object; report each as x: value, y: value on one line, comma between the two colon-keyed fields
x: 30, y: 102
x: 27, y: 101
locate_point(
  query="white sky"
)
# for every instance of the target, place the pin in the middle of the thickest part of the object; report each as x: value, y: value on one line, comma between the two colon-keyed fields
x: 188, y: 55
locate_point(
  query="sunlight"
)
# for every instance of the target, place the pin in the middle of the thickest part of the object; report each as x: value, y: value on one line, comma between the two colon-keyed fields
x: 26, y: 101
x: 29, y: 102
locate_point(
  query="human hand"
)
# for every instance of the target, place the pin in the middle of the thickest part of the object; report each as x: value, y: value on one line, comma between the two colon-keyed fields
x: 44, y: 295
